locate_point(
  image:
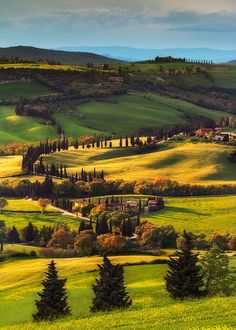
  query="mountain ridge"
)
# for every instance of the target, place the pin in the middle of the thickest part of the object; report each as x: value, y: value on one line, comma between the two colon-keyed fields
x: 140, y: 54
x: 64, y: 57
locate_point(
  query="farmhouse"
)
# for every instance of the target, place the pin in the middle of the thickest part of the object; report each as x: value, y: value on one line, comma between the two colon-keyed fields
x: 204, y: 132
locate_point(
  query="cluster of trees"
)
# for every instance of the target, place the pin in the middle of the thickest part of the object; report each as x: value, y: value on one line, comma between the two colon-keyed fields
x: 24, y: 109
x: 61, y: 172
x: 44, y: 148
x: 15, y: 60
x: 13, y: 149
x: 99, y: 187
x: 109, y: 292
x: 166, y: 187
x: 228, y: 122
x: 163, y: 237
x: 187, y: 277
x: 110, y: 233
x: 35, y: 152
x: 170, y: 59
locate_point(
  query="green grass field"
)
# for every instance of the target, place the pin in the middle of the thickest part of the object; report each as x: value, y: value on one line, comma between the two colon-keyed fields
x: 22, y: 129
x: 20, y: 212
x: 129, y: 114
x: 151, y: 307
x: 198, y: 214
x: 181, y: 161
x: 19, y: 89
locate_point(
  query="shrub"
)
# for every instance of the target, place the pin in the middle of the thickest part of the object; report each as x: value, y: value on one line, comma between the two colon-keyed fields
x: 232, y: 243
x: 111, y: 244
x: 86, y: 243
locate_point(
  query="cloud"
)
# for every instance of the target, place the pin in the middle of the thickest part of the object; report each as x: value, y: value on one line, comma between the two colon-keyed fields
x: 63, y: 22
x: 192, y: 21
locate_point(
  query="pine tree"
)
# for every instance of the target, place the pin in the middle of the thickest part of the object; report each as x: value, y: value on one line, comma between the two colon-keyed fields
x: 109, y: 290
x: 184, y: 278
x: 53, y: 299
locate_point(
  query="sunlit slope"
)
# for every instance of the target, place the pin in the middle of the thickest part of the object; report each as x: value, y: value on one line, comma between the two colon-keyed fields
x: 10, y: 165
x: 22, y: 128
x: 198, y: 214
x: 185, y: 162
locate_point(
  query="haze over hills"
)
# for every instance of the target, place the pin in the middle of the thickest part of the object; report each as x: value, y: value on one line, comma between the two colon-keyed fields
x: 140, y: 54
x: 64, y: 57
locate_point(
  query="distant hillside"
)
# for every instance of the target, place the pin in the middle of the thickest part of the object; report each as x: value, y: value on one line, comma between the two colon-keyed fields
x: 141, y: 54
x: 232, y: 62
x: 64, y: 57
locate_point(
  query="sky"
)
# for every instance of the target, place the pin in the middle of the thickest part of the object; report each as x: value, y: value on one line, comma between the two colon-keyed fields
x: 135, y: 23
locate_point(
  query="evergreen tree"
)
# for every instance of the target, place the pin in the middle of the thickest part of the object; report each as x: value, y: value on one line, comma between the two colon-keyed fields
x: 53, y: 299
x: 184, y: 278
x: 13, y: 236
x: 109, y: 290
x: 29, y: 232
x: 102, y: 226
x: 82, y: 226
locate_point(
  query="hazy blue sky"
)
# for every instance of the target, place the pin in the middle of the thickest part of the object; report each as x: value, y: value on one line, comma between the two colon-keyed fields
x: 136, y: 23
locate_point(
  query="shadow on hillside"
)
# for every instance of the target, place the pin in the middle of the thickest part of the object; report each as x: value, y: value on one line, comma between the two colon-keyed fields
x: 114, y: 153
x: 168, y: 161
x: 225, y: 169
x: 177, y: 209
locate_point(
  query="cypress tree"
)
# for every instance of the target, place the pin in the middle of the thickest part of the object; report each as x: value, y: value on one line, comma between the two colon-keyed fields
x: 29, y: 233
x: 184, y: 278
x: 109, y: 289
x: 82, y: 226
x: 53, y: 298
x: 102, y: 226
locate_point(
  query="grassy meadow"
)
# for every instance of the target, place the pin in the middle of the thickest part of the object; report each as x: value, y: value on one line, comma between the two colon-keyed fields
x: 198, y: 214
x: 21, y: 89
x: 151, y: 303
x: 22, y: 129
x: 20, y: 212
x: 130, y: 113
x: 186, y: 162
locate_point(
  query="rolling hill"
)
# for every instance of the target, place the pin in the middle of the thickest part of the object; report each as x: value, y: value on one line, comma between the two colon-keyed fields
x: 194, y: 163
x: 64, y: 57
x: 15, y: 90
x: 131, y: 113
x: 145, y: 284
x: 22, y: 129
